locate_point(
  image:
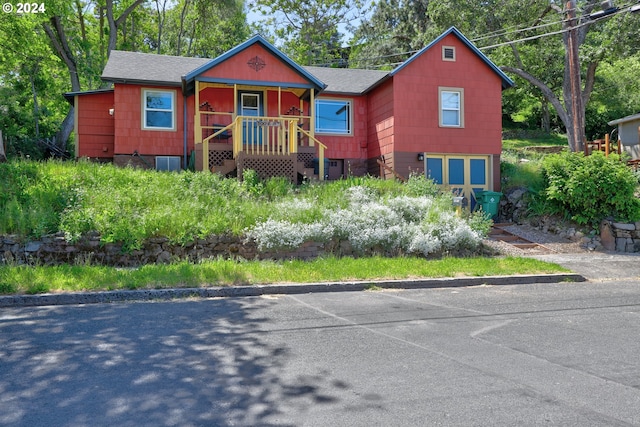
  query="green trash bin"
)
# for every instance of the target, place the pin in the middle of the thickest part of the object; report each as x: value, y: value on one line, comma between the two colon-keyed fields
x: 489, y: 202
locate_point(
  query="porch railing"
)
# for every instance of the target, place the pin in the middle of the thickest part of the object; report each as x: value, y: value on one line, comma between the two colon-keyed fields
x: 268, y: 136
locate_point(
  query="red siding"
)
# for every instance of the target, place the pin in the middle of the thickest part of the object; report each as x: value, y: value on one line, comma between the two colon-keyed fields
x: 351, y: 146
x: 129, y: 135
x: 237, y: 68
x: 381, y: 129
x: 95, y: 127
x: 416, y: 93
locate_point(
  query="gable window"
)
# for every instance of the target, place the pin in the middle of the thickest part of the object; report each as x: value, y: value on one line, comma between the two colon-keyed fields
x: 451, y: 107
x: 158, y: 108
x: 167, y: 163
x: 333, y: 116
x: 448, y: 53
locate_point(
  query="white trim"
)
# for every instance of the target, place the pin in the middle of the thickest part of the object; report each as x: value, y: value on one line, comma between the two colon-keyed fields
x: 460, y: 109
x: 144, y: 107
x: 451, y: 49
x: 349, y: 103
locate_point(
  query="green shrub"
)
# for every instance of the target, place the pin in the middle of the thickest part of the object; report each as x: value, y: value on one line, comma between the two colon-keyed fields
x: 589, y: 189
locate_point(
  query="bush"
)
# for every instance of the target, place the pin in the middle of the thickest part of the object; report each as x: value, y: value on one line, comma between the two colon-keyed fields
x: 370, y: 223
x: 588, y: 189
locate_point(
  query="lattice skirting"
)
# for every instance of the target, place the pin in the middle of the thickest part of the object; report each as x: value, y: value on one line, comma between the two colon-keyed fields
x: 217, y: 157
x: 268, y: 166
x: 307, y: 158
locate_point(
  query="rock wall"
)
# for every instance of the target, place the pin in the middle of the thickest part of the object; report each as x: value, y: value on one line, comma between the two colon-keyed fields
x: 614, y: 236
x: 620, y: 237
x: 55, y: 250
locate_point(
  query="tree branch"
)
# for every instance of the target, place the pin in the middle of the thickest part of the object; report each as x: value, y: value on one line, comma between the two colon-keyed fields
x: 546, y: 91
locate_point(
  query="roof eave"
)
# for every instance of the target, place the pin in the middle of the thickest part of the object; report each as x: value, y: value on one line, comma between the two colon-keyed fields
x: 630, y: 118
x: 189, y: 77
x: 141, y: 82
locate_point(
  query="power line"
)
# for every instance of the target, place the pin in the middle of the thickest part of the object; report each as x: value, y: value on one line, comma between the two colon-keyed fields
x: 624, y: 9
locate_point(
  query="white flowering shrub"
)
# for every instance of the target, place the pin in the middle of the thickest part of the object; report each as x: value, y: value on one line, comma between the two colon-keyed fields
x: 399, y: 224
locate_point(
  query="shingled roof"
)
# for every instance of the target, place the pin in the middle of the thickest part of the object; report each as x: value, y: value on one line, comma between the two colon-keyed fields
x: 350, y: 81
x: 148, y: 68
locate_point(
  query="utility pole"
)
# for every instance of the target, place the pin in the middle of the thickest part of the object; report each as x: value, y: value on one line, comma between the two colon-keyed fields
x: 576, y: 108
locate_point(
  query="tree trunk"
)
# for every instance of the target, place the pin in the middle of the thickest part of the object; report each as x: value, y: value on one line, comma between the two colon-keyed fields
x: 546, y: 116
x: 3, y: 156
x: 58, y: 39
x: 114, y: 23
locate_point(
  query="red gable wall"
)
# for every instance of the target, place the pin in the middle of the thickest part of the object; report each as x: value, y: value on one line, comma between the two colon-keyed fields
x: 416, y: 103
x: 237, y: 68
x: 95, y: 126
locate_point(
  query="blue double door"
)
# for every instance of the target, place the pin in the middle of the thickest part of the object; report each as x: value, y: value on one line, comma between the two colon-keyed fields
x: 463, y: 174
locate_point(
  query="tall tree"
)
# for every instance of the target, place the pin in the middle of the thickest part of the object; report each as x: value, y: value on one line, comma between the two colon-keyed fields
x: 387, y: 37
x: 309, y: 32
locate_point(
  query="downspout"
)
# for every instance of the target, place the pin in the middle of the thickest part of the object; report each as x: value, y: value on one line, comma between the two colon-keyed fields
x: 184, y: 131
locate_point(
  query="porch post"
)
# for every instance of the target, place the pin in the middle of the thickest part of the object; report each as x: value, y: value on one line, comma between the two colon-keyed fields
x: 312, y: 120
x: 279, y: 101
x: 197, y: 130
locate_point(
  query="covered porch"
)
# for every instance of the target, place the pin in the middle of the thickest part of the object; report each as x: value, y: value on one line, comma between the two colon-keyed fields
x: 268, y: 129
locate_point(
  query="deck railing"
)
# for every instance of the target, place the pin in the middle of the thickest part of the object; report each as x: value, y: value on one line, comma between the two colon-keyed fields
x: 262, y: 135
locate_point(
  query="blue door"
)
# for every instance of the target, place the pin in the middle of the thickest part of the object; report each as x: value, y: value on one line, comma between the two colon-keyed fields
x: 250, y: 107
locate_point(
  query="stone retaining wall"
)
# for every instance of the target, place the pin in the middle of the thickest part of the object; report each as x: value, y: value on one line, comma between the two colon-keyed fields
x: 55, y: 250
x: 620, y: 237
x: 614, y: 236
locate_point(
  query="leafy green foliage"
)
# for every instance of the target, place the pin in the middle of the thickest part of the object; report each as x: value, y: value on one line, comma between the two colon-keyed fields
x: 589, y: 189
x: 131, y: 205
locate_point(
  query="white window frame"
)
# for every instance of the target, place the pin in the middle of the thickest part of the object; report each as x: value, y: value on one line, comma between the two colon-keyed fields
x: 145, y: 109
x: 349, y: 105
x: 167, y: 159
x: 442, y: 91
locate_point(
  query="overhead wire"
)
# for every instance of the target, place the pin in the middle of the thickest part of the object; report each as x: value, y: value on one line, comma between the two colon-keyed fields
x: 502, y: 32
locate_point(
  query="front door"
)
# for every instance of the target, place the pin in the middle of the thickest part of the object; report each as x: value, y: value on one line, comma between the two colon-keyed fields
x: 464, y: 175
x: 251, y: 107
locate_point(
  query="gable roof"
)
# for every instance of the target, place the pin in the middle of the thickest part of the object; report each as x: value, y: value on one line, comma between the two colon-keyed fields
x: 353, y: 81
x: 257, y: 39
x: 148, y: 68
x: 506, y: 81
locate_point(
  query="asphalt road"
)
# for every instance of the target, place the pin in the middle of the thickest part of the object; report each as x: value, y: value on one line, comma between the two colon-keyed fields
x: 548, y: 354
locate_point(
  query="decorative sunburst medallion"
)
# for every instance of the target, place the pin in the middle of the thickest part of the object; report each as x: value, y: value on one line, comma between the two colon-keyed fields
x: 256, y: 63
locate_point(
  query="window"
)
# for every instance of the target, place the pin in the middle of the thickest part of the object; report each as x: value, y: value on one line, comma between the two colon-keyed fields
x: 448, y: 53
x: 158, y: 109
x: 333, y: 116
x: 451, y: 107
x: 167, y: 163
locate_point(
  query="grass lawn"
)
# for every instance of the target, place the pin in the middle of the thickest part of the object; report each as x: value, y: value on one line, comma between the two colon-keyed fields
x: 66, y: 278
x: 542, y: 140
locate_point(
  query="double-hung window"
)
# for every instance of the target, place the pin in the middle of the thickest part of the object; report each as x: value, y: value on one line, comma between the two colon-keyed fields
x: 451, y: 109
x: 159, y: 109
x: 333, y: 116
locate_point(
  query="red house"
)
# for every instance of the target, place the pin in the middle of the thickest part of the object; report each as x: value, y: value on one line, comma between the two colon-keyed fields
x: 253, y: 107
